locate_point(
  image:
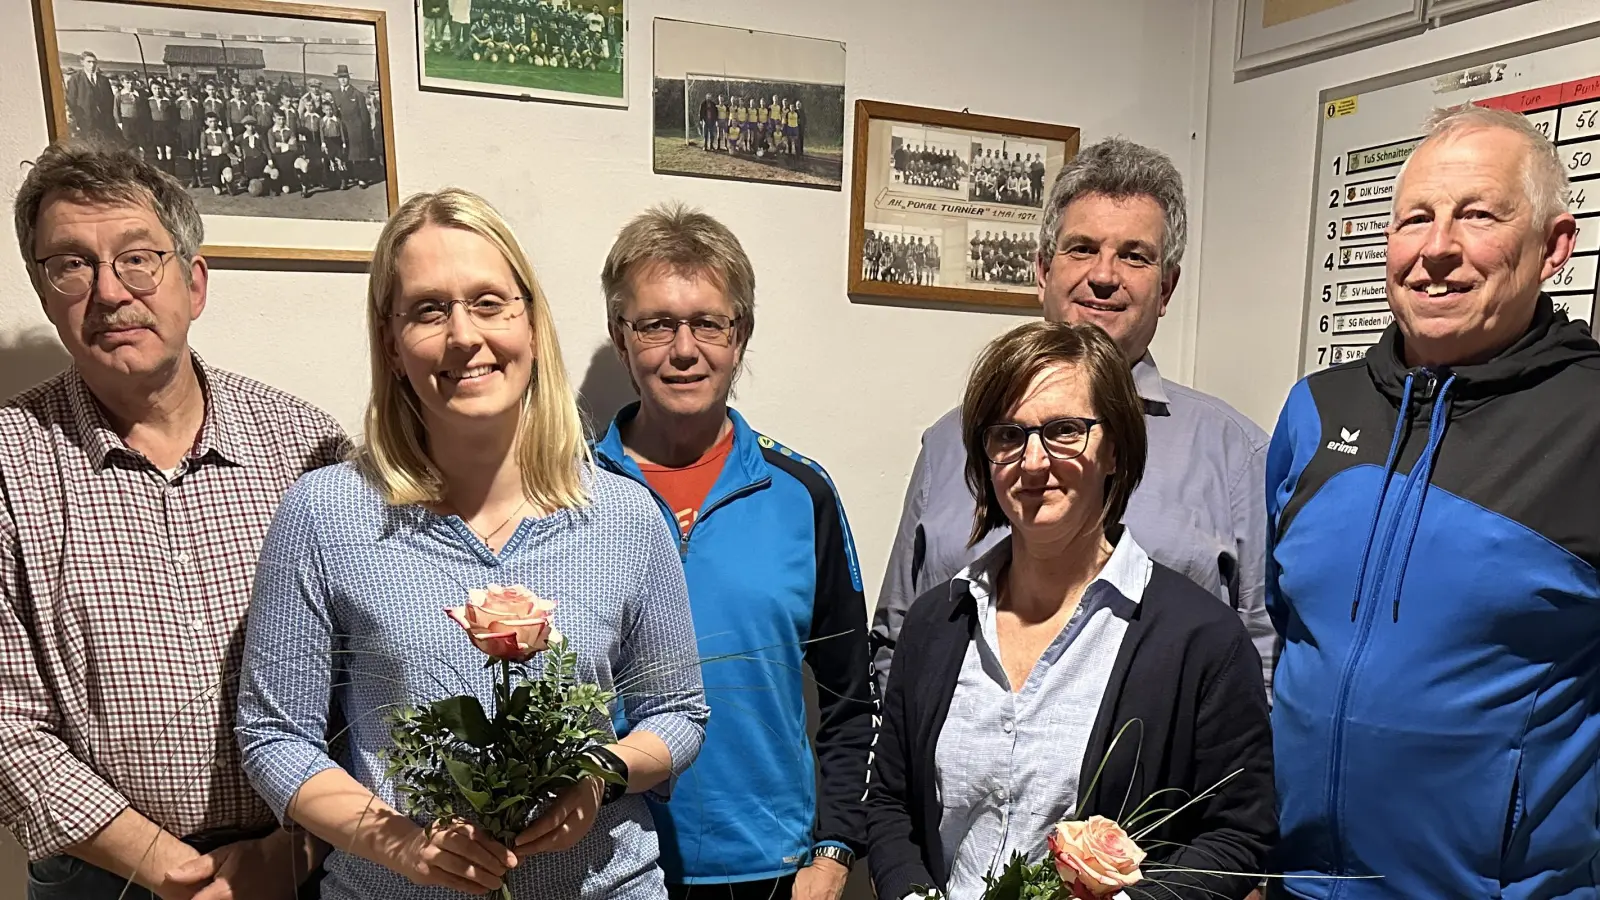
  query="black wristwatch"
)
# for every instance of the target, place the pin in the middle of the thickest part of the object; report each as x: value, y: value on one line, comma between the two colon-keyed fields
x: 838, y: 854
x: 613, y: 763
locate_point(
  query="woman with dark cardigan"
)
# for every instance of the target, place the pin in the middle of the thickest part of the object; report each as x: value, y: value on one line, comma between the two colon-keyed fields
x: 1014, y: 680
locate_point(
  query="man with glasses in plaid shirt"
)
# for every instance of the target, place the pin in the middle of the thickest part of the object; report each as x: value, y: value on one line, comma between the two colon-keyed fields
x: 135, y: 491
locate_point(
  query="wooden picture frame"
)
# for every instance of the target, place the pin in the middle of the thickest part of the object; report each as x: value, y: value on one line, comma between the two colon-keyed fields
x: 944, y: 205
x: 340, y: 193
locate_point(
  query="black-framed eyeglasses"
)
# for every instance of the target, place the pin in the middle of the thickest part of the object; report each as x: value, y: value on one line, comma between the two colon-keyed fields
x: 489, y: 312
x: 653, y: 331
x: 1064, y: 438
x: 73, y: 274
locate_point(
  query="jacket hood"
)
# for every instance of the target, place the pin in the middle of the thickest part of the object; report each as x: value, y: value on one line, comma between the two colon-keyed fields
x: 1551, y: 343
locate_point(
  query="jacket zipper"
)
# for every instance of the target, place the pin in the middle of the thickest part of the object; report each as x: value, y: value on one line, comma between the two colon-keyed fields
x: 1363, y: 633
x: 724, y: 500
x: 683, y: 536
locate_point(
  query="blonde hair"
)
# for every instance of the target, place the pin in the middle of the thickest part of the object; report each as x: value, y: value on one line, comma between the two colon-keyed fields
x: 691, y: 243
x: 551, y: 450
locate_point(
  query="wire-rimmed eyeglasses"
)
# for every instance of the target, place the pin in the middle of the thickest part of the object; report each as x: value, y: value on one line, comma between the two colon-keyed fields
x: 1064, y: 438
x: 490, y: 312
x: 140, y: 270
x: 653, y: 331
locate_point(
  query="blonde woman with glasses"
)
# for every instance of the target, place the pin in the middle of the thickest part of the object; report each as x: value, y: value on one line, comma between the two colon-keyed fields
x: 474, y: 471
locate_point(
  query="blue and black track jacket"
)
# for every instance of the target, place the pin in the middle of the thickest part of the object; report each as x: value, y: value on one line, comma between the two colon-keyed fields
x: 773, y: 584
x: 1435, y: 540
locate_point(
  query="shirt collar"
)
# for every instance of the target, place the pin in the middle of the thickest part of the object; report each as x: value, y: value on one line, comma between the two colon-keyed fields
x: 745, y: 464
x: 1127, y: 572
x: 99, y: 441
x: 1147, y: 382
x: 219, y: 433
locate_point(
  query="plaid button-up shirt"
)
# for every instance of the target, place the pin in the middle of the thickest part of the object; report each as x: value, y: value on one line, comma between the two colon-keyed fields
x: 122, y: 605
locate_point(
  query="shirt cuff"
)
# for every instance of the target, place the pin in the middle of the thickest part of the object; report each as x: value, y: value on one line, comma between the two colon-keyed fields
x: 679, y: 732
x: 75, y: 808
x: 278, y: 771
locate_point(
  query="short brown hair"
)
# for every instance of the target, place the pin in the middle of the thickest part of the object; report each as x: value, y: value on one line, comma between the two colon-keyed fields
x: 1003, y: 372
x: 690, y: 242
x: 94, y: 173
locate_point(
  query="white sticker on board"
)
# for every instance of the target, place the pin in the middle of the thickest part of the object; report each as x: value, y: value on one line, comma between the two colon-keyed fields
x: 1368, y: 191
x: 1369, y: 226
x: 1581, y: 159
x: 1365, y: 255
x: 1343, y: 353
x: 1576, y: 275
x: 1362, y: 292
x: 1372, y: 321
x: 1578, y: 121
x: 1543, y: 122
x: 1588, y: 240
x: 1576, y: 306
x: 1580, y: 201
x: 1381, y: 157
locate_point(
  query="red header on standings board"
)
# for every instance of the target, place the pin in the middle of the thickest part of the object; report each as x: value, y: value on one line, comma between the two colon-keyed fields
x: 1546, y: 97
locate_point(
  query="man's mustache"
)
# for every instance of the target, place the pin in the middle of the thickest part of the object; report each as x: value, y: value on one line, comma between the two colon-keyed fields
x: 126, y: 317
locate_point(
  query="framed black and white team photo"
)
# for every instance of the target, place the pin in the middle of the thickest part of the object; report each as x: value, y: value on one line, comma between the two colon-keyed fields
x: 274, y: 115
x: 946, y: 206
x: 748, y: 105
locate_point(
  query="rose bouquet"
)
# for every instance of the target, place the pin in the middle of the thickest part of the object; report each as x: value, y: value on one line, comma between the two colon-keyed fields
x: 452, y: 760
x: 1088, y: 860
x: 1093, y: 858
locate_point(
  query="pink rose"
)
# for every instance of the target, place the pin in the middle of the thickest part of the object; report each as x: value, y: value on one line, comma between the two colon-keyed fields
x: 1096, y: 857
x: 506, y: 622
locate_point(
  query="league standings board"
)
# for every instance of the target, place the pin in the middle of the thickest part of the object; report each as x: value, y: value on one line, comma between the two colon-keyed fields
x: 1369, y: 129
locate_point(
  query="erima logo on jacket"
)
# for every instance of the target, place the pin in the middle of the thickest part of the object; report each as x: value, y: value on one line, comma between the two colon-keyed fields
x: 1347, y: 441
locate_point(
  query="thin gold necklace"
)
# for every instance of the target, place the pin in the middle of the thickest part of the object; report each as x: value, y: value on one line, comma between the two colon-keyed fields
x: 486, y: 538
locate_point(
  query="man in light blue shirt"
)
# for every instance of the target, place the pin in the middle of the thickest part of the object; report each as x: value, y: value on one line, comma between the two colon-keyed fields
x: 1113, y: 236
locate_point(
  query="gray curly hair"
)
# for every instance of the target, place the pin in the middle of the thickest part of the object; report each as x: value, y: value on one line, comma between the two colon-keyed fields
x: 1119, y: 168
x: 99, y: 174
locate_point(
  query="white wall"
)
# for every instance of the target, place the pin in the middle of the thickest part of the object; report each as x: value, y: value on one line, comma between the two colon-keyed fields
x: 1260, y: 143
x: 851, y: 384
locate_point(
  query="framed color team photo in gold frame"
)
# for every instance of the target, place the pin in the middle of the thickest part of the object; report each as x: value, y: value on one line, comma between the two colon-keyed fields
x: 946, y: 206
x: 275, y: 116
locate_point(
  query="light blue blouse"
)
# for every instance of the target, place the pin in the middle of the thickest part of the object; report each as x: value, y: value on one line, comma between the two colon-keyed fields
x: 348, y: 614
x: 1007, y: 761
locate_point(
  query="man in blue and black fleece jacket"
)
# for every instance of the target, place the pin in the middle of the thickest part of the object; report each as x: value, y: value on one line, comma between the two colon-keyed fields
x: 773, y: 580
x: 1435, y: 515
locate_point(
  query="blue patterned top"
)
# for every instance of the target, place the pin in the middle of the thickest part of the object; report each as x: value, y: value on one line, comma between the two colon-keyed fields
x: 348, y: 611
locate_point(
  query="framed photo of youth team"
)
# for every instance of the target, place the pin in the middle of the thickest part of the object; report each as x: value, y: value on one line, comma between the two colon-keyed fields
x: 275, y: 116
x: 946, y: 206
